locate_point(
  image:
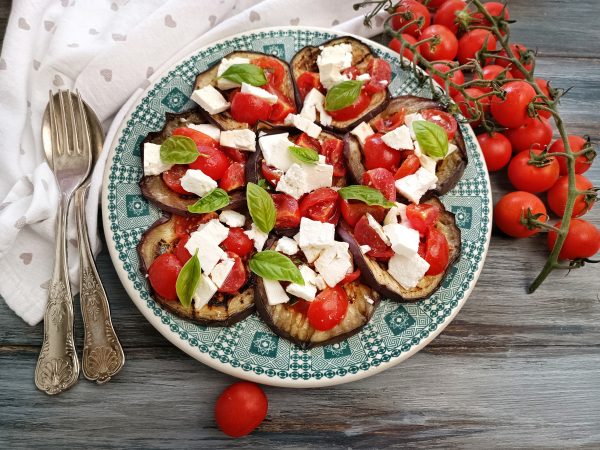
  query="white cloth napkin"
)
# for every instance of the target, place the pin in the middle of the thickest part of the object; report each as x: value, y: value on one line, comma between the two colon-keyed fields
x: 108, y: 50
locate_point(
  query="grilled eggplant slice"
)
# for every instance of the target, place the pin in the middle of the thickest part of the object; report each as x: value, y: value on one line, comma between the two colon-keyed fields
x: 223, y: 310
x: 449, y: 170
x: 376, y: 275
x: 306, y: 61
x: 155, y: 189
x: 287, y: 322
x: 224, y: 119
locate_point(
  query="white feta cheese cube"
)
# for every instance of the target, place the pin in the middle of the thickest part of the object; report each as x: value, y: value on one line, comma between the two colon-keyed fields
x: 428, y: 163
x: 407, y: 270
x: 409, y: 119
x: 287, y: 246
x: 210, y: 100
x: 204, y: 292
x: 404, y: 240
x: 258, y: 236
x: 303, y: 178
x: 362, y: 131
x: 226, y: 63
x: 309, y: 290
x: 320, y: 283
x: 153, y: 165
x: 313, y: 102
x: 394, y: 212
x: 312, y: 253
x: 377, y: 228
x: 207, y: 129
x: 197, y: 182
x: 242, y: 139
x: 275, y: 293
x: 399, y: 138
x: 232, y: 218
x: 207, y: 245
x: 414, y: 186
x: 259, y: 92
x: 275, y: 150
x: 364, y: 249
x: 334, y: 263
x: 303, y: 124
x: 316, y: 234
x: 330, y: 75
x: 331, y: 61
x: 221, y: 271
x: 364, y: 77
x: 213, y: 231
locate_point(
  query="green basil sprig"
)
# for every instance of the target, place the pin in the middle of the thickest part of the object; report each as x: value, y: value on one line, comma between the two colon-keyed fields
x: 245, y: 73
x: 261, y: 207
x: 214, y: 200
x: 432, y: 138
x: 365, y: 194
x: 303, y: 154
x: 187, y: 280
x: 342, y: 94
x: 273, y: 265
x: 178, y: 150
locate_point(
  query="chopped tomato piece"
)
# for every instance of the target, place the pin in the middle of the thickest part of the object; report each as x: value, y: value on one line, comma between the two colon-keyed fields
x: 172, y: 178
x: 288, y: 211
x: 182, y: 253
x: 381, y: 179
x: 422, y: 217
x: 304, y: 140
x: 350, y: 277
x: 352, y: 211
x: 321, y: 205
x: 378, y: 154
x: 328, y: 308
x: 271, y: 174
x: 333, y: 150
x: 212, y: 161
x: 381, y: 75
x: 238, y: 242
x: 366, y: 235
x: 249, y: 108
x: 233, y: 178
x: 283, y: 107
x: 436, y: 251
x: 307, y: 81
x: 354, y: 110
x: 274, y: 70
x: 187, y: 225
x: 409, y: 166
x: 390, y: 123
x: 234, y: 154
x: 443, y: 119
x: 162, y: 275
x: 198, y: 137
x: 236, y: 278
x: 351, y: 72
x: 301, y: 306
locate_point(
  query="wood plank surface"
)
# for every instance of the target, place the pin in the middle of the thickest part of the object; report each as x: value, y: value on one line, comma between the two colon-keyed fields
x: 512, y: 370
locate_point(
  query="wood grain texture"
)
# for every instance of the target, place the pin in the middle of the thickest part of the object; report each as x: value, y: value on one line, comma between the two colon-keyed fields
x: 512, y: 370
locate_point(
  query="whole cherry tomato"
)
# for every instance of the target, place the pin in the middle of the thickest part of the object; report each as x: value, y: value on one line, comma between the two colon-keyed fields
x: 535, y: 133
x: 492, y: 72
x: 528, y: 177
x: 457, y: 77
x: 496, y: 149
x: 557, y: 196
x: 396, y: 45
x: 409, y: 11
x: 241, y: 408
x: 321, y: 205
x: 472, y: 42
x: 583, y: 240
x: 577, y: 143
x: 511, y: 208
x: 249, y: 108
x: 328, y: 308
x: 512, y: 111
x: 378, y: 154
x: 211, y: 161
x: 238, y: 242
x: 469, y: 108
x: 447, y: 14
x: 520, y: 52
x: 444, y: 47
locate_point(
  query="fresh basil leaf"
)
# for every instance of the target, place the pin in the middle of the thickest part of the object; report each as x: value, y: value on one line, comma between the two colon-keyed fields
x: 187, y: 280
x: 303, y: 154
x: 261, y: 207
x: 273, y: 265
x: 215, y: 199
x: 432, y: 138
x: 342, y: 94
x: 245, y: 73
x: 264, y: 184
x: 178, y: 150
x: 365, y: 194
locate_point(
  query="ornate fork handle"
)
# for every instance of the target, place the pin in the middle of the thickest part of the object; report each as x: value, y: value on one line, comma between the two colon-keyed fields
x: 58, y: 367
x: 103, y: 355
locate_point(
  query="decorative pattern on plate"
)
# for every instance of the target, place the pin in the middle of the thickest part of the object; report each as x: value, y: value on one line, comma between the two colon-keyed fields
x: 249, y: 349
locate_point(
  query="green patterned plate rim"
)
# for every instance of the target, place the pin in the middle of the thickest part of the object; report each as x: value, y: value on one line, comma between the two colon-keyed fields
x: 249, y: 350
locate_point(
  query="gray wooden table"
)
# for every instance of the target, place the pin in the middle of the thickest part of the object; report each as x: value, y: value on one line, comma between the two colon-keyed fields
x: 511, y: 370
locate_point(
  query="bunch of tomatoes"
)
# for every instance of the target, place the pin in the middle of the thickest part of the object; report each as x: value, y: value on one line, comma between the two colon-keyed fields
x: 514, y: 135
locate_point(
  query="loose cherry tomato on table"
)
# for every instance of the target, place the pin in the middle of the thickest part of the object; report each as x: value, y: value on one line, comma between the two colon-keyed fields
x: 381, y: 179
x: 378, y: 154
x: 162, y: 275
x: 520, y: 52
x: 437, y: 252
x: 288, y: 211
x: 172, y: 178
x: 577, y: 143
x: 444, y: 47
x: 496, y: 149
x: 212, y: 161
x: 274, y: 71
x: 354, y: 110
x: 443, y: 119
x: 270, y: 174
x: 514, y: 206
x: 307, y: 82
x: 381, y: 75
x: 333, y: 150
x: 535, y: 133
x: 512, y: 111
x: 447, y: 14
x: 492, y: 72
x: 457, y: 77
x: 328, y: 308
x: 396, y: 45
x: 238, y: 242
x: 468, y: 107
x: 241, y: 408
x: 199, y: 138
x: 582, y: 241
x: 422, y: 216
x: 472, y: 42
x: 249, y: 108
x: 233, y: 178
x: 529, y: 177
x: 352, y: 211
x: 389, y: 123
x: 236, y: 278
x: 557, y: 196
x: 321, y: 205
x: 366, y: 235
x: 409, y: 11
x: 409, y: 166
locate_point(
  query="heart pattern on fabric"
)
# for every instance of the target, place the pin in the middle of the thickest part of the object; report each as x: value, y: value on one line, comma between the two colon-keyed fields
x: 93, y: 31
x: 379, y: 21
x: 335, y: 22
x: 106, y: 74
x: 114, y: 6
x: 58, y: 81
x: 20, y: 223
x: 45, y: 284
x: 254, y: 16
x: 23, y: 24
x: 36, y: 64
x: 26, y: 258
x: 73, y: 45
x: 295, y: 21
x: 212, y: 20
x: 2, y: 64
x: 119, y: 37
x: 48, y: 25
x: 169, y: 21
x: 149, y: 72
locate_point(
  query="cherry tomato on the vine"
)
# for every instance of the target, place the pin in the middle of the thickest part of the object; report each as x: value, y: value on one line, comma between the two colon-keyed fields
x: 512, y: 207
x: 457, y: 77
x: 447, y: 14
x: 492, y: 72
x: 582, y: 241
x: 410, y: 10
x: 396, y: 45
x: 520, y: 52
x: 472, y: 42
x: 582, y: 163
x: 468, y: 108
x: 525, y: 176
x: 443, y: 47
x: 496, y: 150
x: 535, y: 133
x: 557, y: 196
x: 545, y: 87
x: 512, y: 111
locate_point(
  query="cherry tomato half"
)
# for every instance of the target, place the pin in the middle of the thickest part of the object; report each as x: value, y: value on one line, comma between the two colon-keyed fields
x: 211, y: 161
x: 366, y: 235
x: 437, y: 252
x: 354, y: 110
x: 241, y: 408
x: 182, y: 253
x: 381, y: 179
x: 307, y: 82
x: 236, y: 278
x: 321, y: 205
x: 249, y: 108
x: 162, y: 275
x: 383, y: 125
x: 333, y: 150
x: 288, y: 211
x: 328, y: 308
x: 198, y: 137
x: 378, y: 154
x: 274, y: 70
x: 443, y: 119
x: 422, y: 217
x: 238, y: 242
x: 409, y: 166
x: 172, y: 178
x: 233, y: 178
x: 353, y: 210
x: 381, y: 75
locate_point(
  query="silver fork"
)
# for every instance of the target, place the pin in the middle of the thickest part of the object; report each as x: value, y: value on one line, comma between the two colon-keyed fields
x: 58, y: 366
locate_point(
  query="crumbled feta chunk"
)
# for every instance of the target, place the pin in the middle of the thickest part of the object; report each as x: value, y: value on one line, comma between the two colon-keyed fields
x: 330, y: 75
x: 232, y: 218
x: 313, y: 102
x: 259, y: 92
x: 414, y: 186
x: 320, y: 283
x: 204, y: 292
x: 207, y: 129
x: 334, y: 263
x: 331, y: 61
x: 407, y: 270
x: 309, y: 290
x: 197, y: 182
x: 210, y: 100
x: 287, y: 246
x: 399, y: 138
x: 312, y: 253
x: 275, y: 150
x: 303, y: 178
x: 153, y: 165
x: 303, y: 124
x: 316, y: 234
x: 258, y: 236
x: 226, y: 63
x: 363, y: 77
x: 221, y: 271
x: 409, y: 119
x: 242, y: 139
x: 362, y: 131
x: 206, y: 241
x: 404, y: 240
x: 428, y: 163
x: 377, y: 228
x: 392, y: 215
x: 275, y: 293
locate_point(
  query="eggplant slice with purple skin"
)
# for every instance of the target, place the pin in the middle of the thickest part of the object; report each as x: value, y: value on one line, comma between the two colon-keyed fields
x: 448, y: 171
x: 375, y: 274
x: 306, y: 61
x: 224, y: 120
x: 222, y: 310
x: 155, y: 189
x: 294, y: 326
